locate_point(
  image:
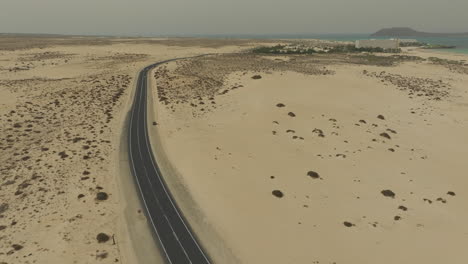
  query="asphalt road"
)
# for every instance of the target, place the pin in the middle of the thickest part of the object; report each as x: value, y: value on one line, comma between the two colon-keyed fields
x: 174, y: 234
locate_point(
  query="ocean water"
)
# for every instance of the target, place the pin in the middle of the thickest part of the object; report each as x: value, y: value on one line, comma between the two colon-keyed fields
x: 460, y: 43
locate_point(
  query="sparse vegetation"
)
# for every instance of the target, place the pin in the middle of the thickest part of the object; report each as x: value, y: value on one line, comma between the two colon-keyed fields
x: 283, y: 49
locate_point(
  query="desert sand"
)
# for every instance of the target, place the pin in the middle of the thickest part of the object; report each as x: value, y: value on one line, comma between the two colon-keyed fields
x: 273, y: 159
x: 319, y: 159
x: 64, y: 176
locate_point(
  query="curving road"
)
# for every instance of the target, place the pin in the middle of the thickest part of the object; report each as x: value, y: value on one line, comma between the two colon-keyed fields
x: 174, y: 234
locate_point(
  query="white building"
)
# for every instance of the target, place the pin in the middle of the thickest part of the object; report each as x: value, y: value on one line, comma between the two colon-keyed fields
x: 378, y: 43
x: 409, y: 41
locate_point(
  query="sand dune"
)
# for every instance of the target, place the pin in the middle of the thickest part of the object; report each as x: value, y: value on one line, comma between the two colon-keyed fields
x: 330, y: 162
x: 274, y: 159
x: 64, y: 178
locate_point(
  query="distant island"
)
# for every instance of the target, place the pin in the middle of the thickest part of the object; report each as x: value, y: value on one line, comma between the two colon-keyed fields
x: 409, y: 32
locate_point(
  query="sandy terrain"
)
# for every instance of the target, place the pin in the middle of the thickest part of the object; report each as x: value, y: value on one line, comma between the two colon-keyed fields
x: 320, y: 159
x: 295, y: 165
x: 64, y: 176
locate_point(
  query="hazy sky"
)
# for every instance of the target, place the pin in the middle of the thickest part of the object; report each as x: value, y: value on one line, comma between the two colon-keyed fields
x: 123, y: 17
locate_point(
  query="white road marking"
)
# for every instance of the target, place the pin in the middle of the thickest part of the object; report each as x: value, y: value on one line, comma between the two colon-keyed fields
x: 140, y: 83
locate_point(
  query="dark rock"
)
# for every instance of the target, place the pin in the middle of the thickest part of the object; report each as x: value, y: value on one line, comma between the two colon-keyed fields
x: 291, y: 114
x: 63, y: 155
x: 319, y: 132
x: 401, y: 207
x: 313, y: 174
x: 280, y: 105
x: 348, y: 224
x: 381, y: 117
x: 451, y: 193
x: 256, y: 77
x: 102, y: 238
x: 17, y: 247
x: 277, y: 193
x: 102, y: 196
x: 388, y: 193
x: 102, y: 255
x: 80, y: 196
x: 385, y: 135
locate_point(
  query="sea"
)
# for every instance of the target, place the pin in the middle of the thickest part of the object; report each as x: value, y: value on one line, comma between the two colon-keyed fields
x: 461, y: 43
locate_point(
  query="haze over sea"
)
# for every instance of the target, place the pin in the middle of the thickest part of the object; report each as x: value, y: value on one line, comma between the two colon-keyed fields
x: 461, y: 43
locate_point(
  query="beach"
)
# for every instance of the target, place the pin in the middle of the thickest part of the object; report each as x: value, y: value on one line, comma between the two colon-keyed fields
x: 324, y: 158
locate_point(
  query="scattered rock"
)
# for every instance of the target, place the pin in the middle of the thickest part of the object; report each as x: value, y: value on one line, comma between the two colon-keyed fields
x: 348, y: 224
x: 381, y: 117
x: 102, y: 238
x: 17, y: 247
x: 313, y: 174
x: 63, y: 155
x: 451, y: 193
x: 401, y: 207
x: 277, y: 193
x: 319, y: 132
x: 102, y: 196
x: 291, y: 114
x: 256, y: 77
x: 396, y: 218
x: 385, y: 135
x: 280, y: 105
x: 427, y: 200
x: 80, y: 196
x: 388, y: 193
x: 102, y: 255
